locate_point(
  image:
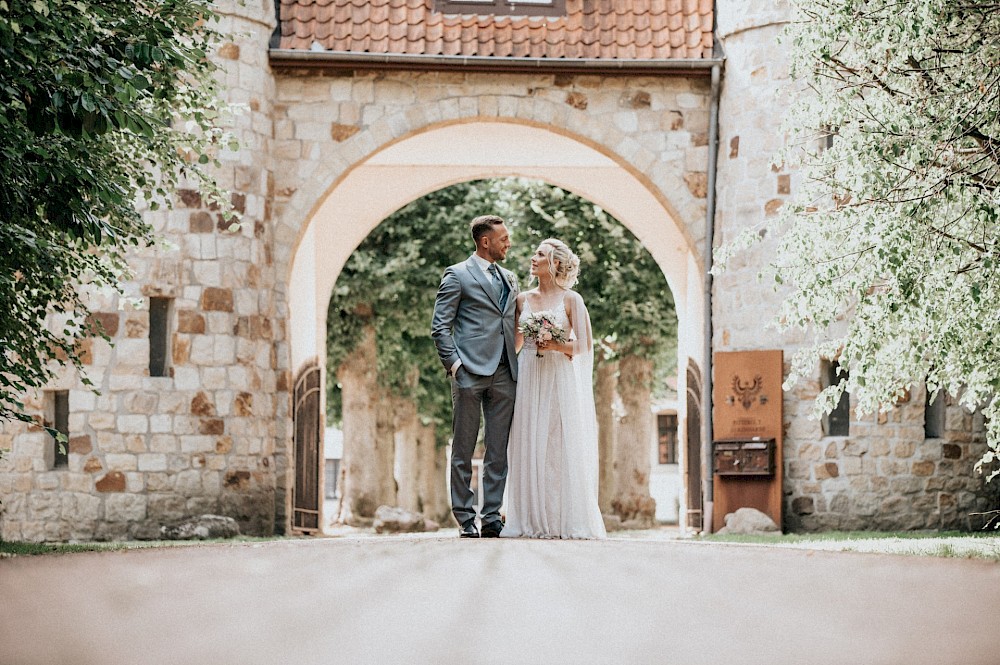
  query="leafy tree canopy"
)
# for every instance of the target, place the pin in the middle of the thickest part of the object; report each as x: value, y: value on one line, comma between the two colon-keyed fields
x: 105, y: 104
x: 392, y: 278
x: 890, y: 253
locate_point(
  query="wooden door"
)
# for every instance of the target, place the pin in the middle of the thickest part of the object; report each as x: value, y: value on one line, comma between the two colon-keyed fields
x: 693, y: 449
x: 306, y: 495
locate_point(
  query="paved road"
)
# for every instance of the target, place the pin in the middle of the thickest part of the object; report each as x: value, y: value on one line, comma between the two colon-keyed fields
x: 442, y: 600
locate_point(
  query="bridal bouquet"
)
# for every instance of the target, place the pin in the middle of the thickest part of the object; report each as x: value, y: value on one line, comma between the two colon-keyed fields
x: 541, y: 327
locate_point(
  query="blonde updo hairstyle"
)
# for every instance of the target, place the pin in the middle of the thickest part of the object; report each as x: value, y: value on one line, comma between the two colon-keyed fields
x: 568, y: 269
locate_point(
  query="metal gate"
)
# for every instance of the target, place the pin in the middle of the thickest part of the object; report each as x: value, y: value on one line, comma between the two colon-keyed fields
x: 693, y: 452
x: 308, y: 422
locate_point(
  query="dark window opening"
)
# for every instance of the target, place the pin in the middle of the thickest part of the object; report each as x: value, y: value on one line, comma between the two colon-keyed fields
x: 838, y: 421
x: 827, y: 135
x: 57, y: 412
x: 159, y: 336
x: 502, y: 7
x: 666, y: 431
x: 934, y: 415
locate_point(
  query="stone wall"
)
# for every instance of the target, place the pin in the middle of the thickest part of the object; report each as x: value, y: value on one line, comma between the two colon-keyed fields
x: 327, y: 122
x: 214, y: 435
x: 150, y: 450
x: 885, y: 474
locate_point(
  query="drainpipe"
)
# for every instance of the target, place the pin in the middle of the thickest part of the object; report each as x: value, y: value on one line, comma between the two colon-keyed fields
x: 706, y: 385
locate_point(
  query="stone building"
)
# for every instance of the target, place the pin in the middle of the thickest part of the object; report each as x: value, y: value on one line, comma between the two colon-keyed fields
x: 210, y: 397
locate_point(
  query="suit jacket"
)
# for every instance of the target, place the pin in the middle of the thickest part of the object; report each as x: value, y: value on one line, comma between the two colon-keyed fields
x: 468, y: 322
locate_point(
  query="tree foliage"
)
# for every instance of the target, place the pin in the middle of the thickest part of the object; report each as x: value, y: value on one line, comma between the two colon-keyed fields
x: 105, y: 105
x: 393, y: 276
x: 890, y: 253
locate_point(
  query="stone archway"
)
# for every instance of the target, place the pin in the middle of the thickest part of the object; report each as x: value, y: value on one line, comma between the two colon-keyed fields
x: 440, y: 155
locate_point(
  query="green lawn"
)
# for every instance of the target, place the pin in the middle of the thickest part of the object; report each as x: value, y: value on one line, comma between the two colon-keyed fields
x: 955, y: 544
x: 31, y: 549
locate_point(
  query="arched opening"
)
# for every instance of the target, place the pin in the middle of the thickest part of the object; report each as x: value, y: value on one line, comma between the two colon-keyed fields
x: 442, y: 155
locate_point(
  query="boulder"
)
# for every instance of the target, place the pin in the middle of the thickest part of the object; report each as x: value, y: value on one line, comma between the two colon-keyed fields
x: 201, y: 527
x: 391, y: 519
x: 748, y: 521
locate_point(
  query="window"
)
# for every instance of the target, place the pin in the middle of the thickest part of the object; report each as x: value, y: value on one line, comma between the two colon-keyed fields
x: 666, y: 437
x: 838, y: 421
x: 502, y: 7
x: 57, y: 418
x: 934, y: 415
x: 159, y: 336
x: 826, y: 137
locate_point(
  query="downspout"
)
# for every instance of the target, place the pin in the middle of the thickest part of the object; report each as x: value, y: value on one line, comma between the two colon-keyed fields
x: 706, y: 386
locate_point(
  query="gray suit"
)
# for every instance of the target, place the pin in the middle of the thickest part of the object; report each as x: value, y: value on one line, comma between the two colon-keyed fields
x: 470, y: 325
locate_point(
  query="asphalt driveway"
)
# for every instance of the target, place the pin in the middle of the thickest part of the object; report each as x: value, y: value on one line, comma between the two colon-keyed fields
x: 442, y: 600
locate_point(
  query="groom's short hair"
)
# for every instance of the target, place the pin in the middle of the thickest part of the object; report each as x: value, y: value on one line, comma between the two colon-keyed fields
x: 482, y: 225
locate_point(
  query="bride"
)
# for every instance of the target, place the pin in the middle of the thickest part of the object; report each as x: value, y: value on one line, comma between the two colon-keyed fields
x: 552, y: 452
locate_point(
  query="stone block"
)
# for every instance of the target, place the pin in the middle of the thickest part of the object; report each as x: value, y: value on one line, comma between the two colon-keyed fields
x: 951, y: 451
x: 152, y: 462
x: 803, y: 505
x: 697, y: 184
x: 190, y: 321
x: 114, y: 481
x: 80, y: 445
x: 45, y: 506
x: 159, y: 482
x: 826, y: 470
x: 202, y: 405
x: 163, y: 443
x: 923, y: 468
x: 851, y: 466
x: 201, y: 222
x: 906, y: 485
x: 125, y: 508
x: 160, y: 423
x: 201, y: 352
x: 47, y: 481
x: 904, y: 449
x: 809, y: 452
x: 77, y: 482
x: 136, y: 424
x: 136, y: 330
x: 216, y: 300
x: 197, y: 444
x: 188, y: 483
x: 212, y: 426
x: 121, y: 462
x: 101, y: 420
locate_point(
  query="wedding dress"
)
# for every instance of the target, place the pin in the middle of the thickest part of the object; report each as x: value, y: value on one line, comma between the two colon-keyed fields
x: 552, y: 452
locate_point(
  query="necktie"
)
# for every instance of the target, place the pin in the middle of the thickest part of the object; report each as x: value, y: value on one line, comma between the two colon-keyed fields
x: 497, y: 284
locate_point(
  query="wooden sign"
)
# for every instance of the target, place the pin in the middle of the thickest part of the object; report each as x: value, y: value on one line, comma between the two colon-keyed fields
x: 746, y: 418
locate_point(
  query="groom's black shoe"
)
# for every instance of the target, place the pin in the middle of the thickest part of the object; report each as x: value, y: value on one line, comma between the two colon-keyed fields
x: 493, y: 529
x: 468, y: 530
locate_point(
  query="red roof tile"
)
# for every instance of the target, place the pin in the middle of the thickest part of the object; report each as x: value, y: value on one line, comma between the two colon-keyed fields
x: 601, y: 29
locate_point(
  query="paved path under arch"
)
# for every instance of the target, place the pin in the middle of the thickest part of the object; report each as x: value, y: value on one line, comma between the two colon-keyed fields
x: 443, y: 600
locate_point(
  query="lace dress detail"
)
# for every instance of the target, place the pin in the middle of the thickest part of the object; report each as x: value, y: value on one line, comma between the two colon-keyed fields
x: 552, y: 452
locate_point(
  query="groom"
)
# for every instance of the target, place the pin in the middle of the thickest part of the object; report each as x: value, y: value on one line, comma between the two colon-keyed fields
x: 473, y: 330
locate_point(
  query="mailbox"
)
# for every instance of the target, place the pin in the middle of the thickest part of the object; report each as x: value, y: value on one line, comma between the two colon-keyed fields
x: 744, y: 457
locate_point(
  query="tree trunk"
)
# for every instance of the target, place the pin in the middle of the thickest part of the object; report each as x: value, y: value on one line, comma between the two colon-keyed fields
x: 383, y: 454
x: 407, y: 465
x: 358, y: 380
x: 605, y: 384
x: 632, y: 501
x: 434, y: 502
